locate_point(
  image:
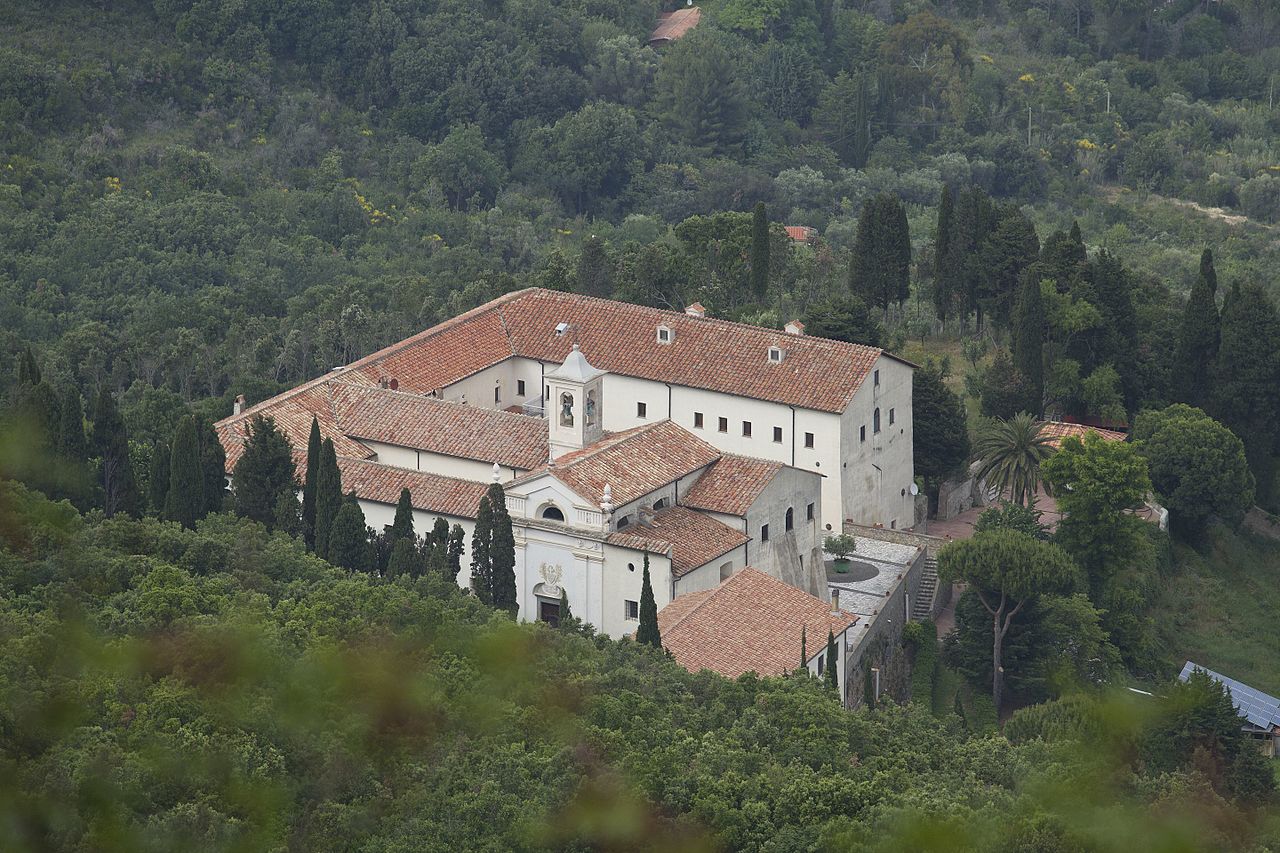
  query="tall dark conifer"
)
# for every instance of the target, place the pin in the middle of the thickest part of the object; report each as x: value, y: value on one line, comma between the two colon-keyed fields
x: 213, y: 466
x: 648, y: 631
x: 1247, y: 380
x: 943, y: 278
x: 833, y: 662
x: 1028, y: 341
x: 158, y: 478
x: 759, y: 252
x: 264, y: 472
x: 1197, y: 351
x: 314, y: 445
x: 880, y: 266
x: 440, y: 533
x: 185, y: 502
x: 348, y: 543
x: 402, y: 524
x: 481, y: 563
x: 457, y: 544
x: 328, y: 496
x: 502, y: 553
x: 120, y: 492
x: 28, y: 368
x: 72, y: 449
x: 595, y: 269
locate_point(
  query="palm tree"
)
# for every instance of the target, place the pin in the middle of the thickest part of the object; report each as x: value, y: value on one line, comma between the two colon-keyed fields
x: 1011, y: 452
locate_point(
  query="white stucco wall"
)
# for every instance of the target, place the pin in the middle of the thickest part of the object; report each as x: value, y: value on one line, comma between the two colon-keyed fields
x: 708, y: 576
x: 877, y: 473
x: 380, y: 515
x: 795, y: 556
x: 478, y: 388
x: 438, y: 463
x: 622, y: 580
x: 820, y: 651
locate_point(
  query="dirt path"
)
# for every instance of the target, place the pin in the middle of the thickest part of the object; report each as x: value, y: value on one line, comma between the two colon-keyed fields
x: 1113, y: 193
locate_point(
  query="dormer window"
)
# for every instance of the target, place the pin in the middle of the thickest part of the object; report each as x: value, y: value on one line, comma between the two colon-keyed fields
x: 775, y: 355
x: 561, y: 328
x: 665, y: 335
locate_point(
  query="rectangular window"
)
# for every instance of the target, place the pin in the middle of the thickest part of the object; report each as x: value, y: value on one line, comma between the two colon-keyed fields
x: 777, y: 434
x: 497, y: 393
x: 746, y: 429
x: 862, y: 433
x: 520, y: 387
x: 633, y: 609
x: 764, y: 533
x: 724, y: 424
x: 821, y: 660
x: 642, y: 410
x: 877, y: 379
x: 808, y: 512
x: 808, y: 439
x: 891, y: 417
x: 697, y: 420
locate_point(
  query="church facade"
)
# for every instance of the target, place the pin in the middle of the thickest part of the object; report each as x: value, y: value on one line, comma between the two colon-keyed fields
x: 620, y: 434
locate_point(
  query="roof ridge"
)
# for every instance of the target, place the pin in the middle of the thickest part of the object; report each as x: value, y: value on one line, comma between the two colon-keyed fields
x: 436, y: 401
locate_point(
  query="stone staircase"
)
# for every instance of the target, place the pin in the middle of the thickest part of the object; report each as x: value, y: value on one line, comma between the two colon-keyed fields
x: 922, y: 607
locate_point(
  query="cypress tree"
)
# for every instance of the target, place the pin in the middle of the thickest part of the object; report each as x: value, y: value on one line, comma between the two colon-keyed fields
x: 158, y: 478
x: 880, y: 266
x: 404, y: 560
x: 1198, y: 339
x: 402, y: 526
x: 288, y: 513
x: 309, y: 485
x: 28, y: 369
x: 348, y: 542
x: 457, y: 538
x: 213, y: 466
x: 1113, y: 287
x: 833, y: 660
x: 120, y: 492
x: 943, y: 279
x: 440, y: 533
x: 1247, y: 384
x: 595, y: 270
x: 900, y: 253
x: 1028, y: 341
x: 437, y: 558
x: 185, y: 503
x: 481, y: 565
x: 71, y: 442
x: 759, y: 252
x: 869, y: 688
x: 502, y: 553
x: 328, y: 496
x: 804, y: 650
x: 566, y: 615
x: 648, y: 631
x: 264, y: 472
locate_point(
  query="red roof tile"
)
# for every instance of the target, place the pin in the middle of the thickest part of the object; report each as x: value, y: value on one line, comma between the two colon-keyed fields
x: 749, y: 623
x: 715, y: 355
x: 692, y: 539
x: 292, y: 412
x: 429, y: 492
x: 731, y: 485
x: 672, y: 25
x: 800, y: 233
x: 451, y: 429
x: 1058, y: 430
x: 633, y: 463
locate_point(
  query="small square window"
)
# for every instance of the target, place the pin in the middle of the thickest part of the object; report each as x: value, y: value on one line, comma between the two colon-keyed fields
x: 664, y: 335
x: 777, y: 434
x: 808, y: 512
x: 877, y: 378
x: 764, y: 533
x: 746, y: 429
x: 633, y: 609
x: 642, y: 410
x: 862, y: 433
x: 891, y: 417
x: 775, y: 355
x: 808, y: 439
x: 520, y: 387
x: 697, y: 420
x: 724, y: 424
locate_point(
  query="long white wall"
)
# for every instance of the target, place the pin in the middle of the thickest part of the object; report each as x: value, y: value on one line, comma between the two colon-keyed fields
x: 438, y: 463
x: 878, y: 470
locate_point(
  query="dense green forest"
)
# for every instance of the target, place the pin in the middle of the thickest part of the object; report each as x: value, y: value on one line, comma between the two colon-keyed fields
x: 222, y: 689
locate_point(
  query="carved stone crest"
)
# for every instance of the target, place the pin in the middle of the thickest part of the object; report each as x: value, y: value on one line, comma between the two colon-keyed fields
x: 551, y: 577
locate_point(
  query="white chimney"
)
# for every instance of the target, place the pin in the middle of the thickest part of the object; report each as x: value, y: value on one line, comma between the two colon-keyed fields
x: 794, y: 327
x: 238, y: 406
x: 497, y: 473
x: 695, y: 310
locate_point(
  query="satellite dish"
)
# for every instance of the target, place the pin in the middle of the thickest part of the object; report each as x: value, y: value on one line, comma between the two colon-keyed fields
x: 915, y: 490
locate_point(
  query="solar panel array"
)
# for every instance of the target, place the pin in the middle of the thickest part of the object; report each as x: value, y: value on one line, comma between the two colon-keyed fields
x: 1255, y: 706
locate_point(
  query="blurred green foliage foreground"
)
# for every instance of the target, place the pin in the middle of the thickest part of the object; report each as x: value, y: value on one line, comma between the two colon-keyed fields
x: 221, y: 689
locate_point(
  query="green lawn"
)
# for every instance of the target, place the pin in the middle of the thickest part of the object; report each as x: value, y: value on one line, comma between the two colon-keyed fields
x: 1222, y: 609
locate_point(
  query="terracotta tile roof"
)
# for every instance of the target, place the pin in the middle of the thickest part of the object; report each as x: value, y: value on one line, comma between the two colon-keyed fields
x: 715, y: 355
x: 1058, y: 430
x: 292, y: 412
x: 438, y: 426
x: 800, y: 233
x: 633, y: 463
x: 429, y: 492
x: 672, y: 25
x: 692, y: 539
x: 731, y: 485
x: 749, y: 623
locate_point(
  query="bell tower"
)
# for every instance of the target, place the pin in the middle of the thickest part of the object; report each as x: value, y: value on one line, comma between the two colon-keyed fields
x: 574, y: 404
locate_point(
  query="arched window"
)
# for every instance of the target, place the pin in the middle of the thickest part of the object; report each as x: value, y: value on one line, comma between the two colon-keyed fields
x: 791, y: 518
x: 726, y: 569
x: 875, y: 421
x: 659, y: 503
x: 552, y: 512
